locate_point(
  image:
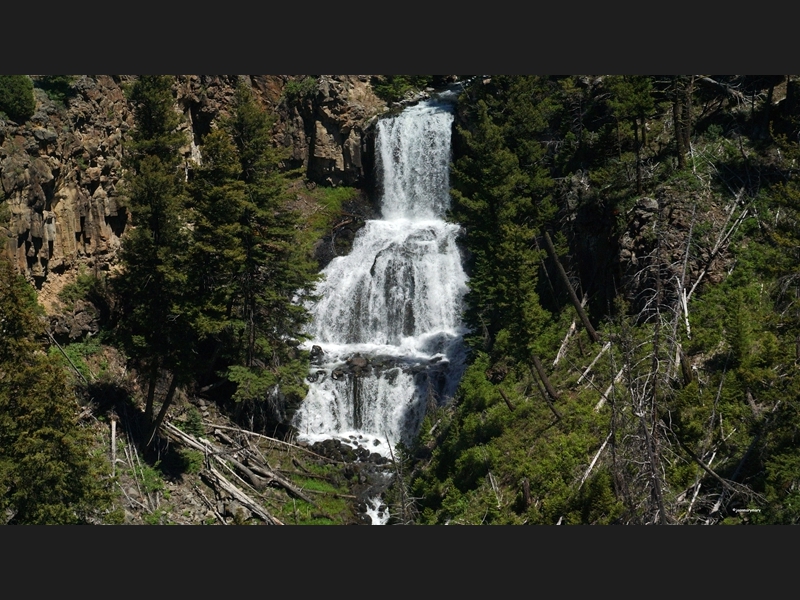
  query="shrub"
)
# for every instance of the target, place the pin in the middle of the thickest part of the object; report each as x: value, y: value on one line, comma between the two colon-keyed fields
x: 58, y: 87
x: 392, y: 88
x: 192, y: 461
x: 298, y: 89
x: 81, y: 289
x: 16, y: 97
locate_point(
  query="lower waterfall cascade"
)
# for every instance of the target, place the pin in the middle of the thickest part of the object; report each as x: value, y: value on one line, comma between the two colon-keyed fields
x: 386, y: 332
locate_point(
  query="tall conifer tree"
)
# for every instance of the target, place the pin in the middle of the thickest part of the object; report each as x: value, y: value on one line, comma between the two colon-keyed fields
x: 152, y: 285
x: 252, y: 302
x: 502, y: 197
x: 47, y: 472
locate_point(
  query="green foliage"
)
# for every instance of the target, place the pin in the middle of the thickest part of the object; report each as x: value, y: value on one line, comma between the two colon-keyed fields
x: 193, y: 461
x: 16, y: 97
x: 218, y: 298
x: 158, y: 517
x: 331, y: 201
x: 155, y: 133
x: 82, y: 288
x: 154, y: 329
x: 151, y: 478
x: 153, y: 303
x: 392, y: 88
x: 194, y: 422
x: 502, y: 196
x: 630, y: 96
x: 325, y: 485
x: 77, y: 353
x: 48, y: 474
x: 59, y: 88
x: 296, y: 90
x: 115, y: 517
x: 486, y: 452
x: 732, y: 405
x: 248, y: 266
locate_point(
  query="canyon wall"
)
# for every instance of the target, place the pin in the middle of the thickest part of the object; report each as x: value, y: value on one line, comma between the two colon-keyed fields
x: 62, y: 176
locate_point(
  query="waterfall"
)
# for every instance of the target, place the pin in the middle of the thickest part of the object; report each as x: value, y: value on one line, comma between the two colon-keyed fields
x: 386, y: 333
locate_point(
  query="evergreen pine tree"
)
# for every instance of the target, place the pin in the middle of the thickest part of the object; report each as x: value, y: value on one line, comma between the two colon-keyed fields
x: 501, y: 196
x: 154, y: 326
x: 47, y: 472
x: 252, y: 297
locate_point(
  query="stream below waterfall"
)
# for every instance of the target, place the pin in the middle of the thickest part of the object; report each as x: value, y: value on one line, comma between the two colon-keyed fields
x: 386, y: 332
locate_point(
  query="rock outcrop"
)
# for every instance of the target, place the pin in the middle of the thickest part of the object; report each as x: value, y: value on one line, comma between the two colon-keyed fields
x: 61, y: 172
x: 61, y: 179
x: 329, y: 129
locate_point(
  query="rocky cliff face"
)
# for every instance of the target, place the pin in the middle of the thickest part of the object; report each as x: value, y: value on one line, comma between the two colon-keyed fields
x: 329, y: 129
x: 62, y: 177
x: 626, y: 252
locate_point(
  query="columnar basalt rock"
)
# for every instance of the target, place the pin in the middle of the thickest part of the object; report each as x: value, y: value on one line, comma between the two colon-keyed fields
x: 329, y: 131
x: 61, y: 178
x: 61, y: 172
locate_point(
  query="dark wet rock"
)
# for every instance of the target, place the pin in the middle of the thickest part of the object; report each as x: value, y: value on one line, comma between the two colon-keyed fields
x: 316, y: 376
x: 316, y: 354
x: 357, y: 361
x: 647, y: 205
x: 378, y: 459
x: 335, y: 449
x: 71, y: 325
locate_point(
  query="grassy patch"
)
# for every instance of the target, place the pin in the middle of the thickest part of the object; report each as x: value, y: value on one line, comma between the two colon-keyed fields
x: 77, y: 353
x: 330, y: 507
x: 80, y: 289
x: 329, y: 203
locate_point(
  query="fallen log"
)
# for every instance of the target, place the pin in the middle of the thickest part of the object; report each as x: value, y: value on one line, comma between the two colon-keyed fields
x: 274, y: 441
x: 594, y: 461
x: 606, y: 346
x: 563, y: 348
x: 257, y: 482
x: 573, y: 297
x: 604, y: 397
x: 510, y: 406
x: 216, y: 480
x: 210, y: 505
x: 551, y: 391
x: 283, y: 482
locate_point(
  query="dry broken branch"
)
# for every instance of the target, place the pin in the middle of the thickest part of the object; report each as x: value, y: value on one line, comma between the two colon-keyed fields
x: 215, y: 479
x: 606, y: 346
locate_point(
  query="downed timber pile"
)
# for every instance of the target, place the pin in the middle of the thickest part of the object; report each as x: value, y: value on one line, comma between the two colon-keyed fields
x: 207, y: 470
x: 237, y: 469
x: 216, y: 480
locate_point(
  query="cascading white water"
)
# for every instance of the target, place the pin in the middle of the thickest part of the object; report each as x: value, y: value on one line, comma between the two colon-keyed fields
x: 388, y: 321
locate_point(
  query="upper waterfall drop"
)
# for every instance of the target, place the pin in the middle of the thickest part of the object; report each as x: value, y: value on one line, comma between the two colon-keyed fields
x: 388, y: 321
x: 413, y: 155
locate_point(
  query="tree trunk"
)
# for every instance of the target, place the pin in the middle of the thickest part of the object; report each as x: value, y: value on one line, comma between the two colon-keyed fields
x: 551, y: 391
x: 151, y: 392
x: 575, y: 302
x: 767, y: 109
x: 676, y: 125
x: 215, y: 479
x: 682, y: 116
x: 686, y: 112
x: 164, y: 407
x: 644, y: 129
x: 638, y: 156
x: 510, y: 406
